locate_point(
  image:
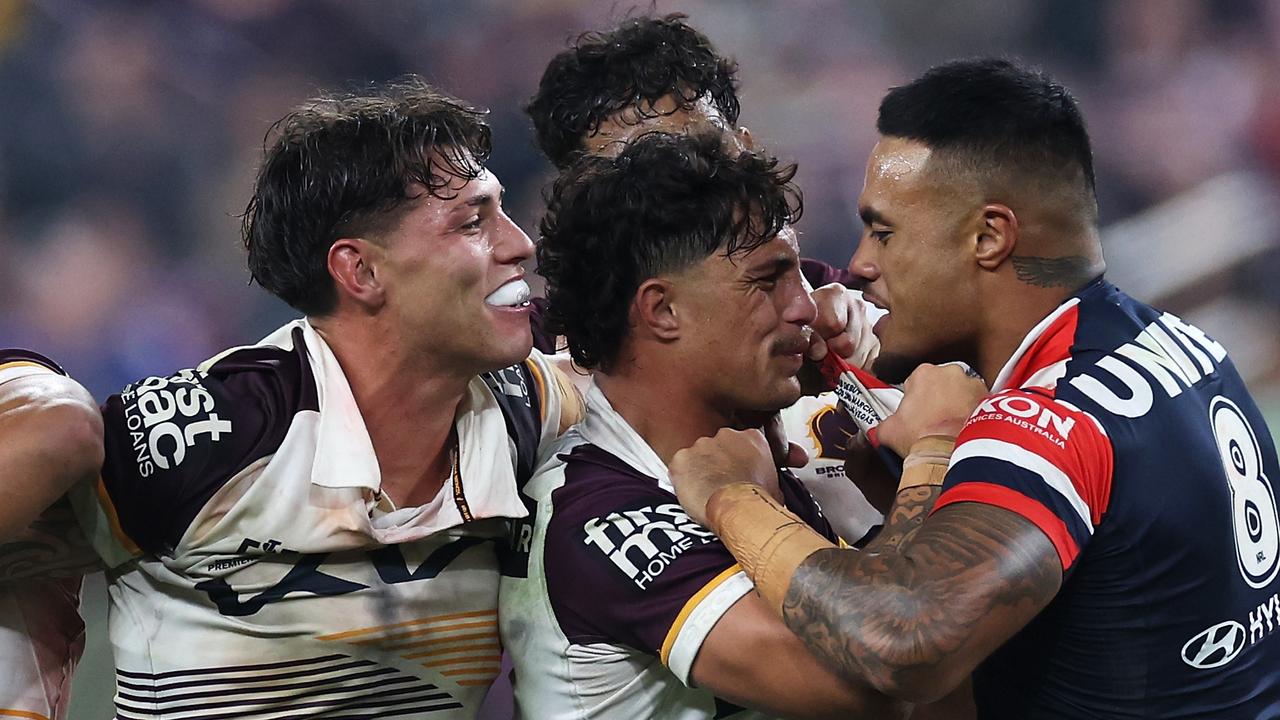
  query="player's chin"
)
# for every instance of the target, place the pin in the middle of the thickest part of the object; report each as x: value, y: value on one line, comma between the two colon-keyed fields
x: 509, y: 346
x: 894, y: 368
x: 782, y: 392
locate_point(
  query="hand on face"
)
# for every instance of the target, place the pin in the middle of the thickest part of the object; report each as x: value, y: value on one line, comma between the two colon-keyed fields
x: 937, y: 400
x: 844, y: 326
x: 731, y: 456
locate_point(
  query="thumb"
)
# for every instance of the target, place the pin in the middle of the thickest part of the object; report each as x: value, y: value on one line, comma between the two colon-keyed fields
x: 797, y: 457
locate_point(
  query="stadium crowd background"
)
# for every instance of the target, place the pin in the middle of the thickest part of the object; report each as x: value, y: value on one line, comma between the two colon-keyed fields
x: 130, y: 132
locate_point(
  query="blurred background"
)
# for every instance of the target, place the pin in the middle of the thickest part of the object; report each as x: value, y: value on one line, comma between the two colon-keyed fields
x: 130, y: 132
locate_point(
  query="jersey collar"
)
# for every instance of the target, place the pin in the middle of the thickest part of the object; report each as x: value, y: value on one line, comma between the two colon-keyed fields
x: 1040, y: 360
x: 344, y: 455
x: 605, y: 428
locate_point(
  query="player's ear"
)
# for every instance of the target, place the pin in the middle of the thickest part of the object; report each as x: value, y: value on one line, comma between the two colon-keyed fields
x: 654, y: 311
x: 996, y: 235
x: 352, y: 264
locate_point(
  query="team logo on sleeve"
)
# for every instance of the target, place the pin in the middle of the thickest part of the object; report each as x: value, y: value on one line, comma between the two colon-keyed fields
x: 645, y: 541
x: 166, y: 416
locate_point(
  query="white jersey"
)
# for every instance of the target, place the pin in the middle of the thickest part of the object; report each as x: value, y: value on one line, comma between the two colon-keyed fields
x: 263, y: 574
x: 818, y: 425
x: 622, y: 586
x: 41, y: 631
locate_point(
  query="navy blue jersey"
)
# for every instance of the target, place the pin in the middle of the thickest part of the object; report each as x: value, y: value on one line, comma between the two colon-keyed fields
x: 1129, y: 438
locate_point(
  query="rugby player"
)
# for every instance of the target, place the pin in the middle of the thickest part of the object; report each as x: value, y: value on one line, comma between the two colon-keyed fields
x: 50, y: 439
x: 697, y: 320
x: 647, y: 74
x: 659, y: 74
x: 1105, y: 542
x: 310, y: 525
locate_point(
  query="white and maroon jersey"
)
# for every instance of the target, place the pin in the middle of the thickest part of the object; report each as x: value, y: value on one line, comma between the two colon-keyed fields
x: 263, y: 574
x: 1128, y: 438
x: 818, y: 425
x: 622, y: 587
x: 41, y: 631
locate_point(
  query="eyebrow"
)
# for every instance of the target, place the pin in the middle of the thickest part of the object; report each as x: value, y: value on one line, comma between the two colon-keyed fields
x: 870, y: 216
x: 780, y: 262
x: 482, y: 199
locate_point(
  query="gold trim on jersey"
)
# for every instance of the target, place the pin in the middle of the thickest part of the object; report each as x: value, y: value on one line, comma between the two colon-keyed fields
x: 690, y: 605
x: 113, y: 520
x: 541, y: 389
x: 15, y: 364
x: 475, y: 657
x: 6, y: 712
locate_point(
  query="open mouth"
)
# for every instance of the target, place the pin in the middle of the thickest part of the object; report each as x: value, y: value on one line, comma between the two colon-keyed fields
x: 513, y: 293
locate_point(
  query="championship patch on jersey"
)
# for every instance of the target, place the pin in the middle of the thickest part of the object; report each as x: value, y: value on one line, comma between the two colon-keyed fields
x: 643, y: 542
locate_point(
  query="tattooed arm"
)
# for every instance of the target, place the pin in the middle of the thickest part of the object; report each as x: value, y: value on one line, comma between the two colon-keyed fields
x: 915, y: 620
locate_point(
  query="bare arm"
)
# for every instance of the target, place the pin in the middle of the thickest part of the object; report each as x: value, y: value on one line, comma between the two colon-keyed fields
x: 50, y: 439
x: 915, y: 620
x: 750, y: 658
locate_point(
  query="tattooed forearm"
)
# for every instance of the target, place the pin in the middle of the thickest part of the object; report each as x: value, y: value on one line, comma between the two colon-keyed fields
x: 1069, y: 272
x: 914, y: 621
x: 52, y: 547
x: 909, y: 510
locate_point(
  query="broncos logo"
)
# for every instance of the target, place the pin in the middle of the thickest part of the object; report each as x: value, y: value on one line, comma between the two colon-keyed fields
x: 831, y: 432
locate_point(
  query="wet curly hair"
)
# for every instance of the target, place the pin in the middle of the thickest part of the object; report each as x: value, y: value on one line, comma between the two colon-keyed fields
x: 641, y: 61
x: 664, y: 204
x: 343, y: 164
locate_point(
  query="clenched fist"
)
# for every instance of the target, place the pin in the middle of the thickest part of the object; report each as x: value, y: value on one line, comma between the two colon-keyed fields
x: 844, y: 326
x: 731, y: 456
x: 937, y: 400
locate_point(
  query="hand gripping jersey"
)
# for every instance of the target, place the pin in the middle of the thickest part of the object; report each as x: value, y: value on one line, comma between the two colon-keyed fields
x: 1127, y: 436
x: 262, y: 574
x: 41, y: 631
x: 622, y: 586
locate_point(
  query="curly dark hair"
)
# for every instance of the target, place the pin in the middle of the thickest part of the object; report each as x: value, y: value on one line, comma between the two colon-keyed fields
x: 665, y: 203
x: 643, y: 59
x: 345, y: 164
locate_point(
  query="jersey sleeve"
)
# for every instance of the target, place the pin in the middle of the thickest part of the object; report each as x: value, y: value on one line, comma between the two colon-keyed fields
x: 626, y: 565
x: 15, y: 363
x: 172, y: 442
x: 1038, y: 457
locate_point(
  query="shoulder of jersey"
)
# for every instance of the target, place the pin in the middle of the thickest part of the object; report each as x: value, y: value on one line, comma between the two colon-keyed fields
x: 172, y: 442
x: 16, y: 357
